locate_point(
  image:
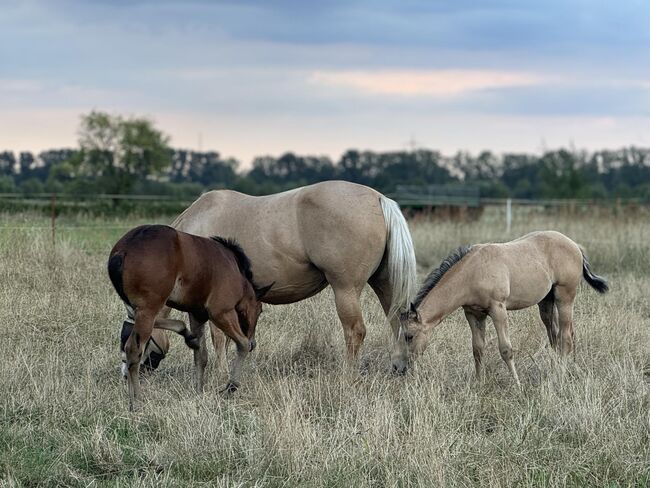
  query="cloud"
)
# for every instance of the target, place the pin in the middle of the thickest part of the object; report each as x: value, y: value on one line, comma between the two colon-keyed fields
x: 430, y: 83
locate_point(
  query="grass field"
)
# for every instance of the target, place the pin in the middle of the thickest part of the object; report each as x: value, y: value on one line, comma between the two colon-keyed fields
x: 301, y: 418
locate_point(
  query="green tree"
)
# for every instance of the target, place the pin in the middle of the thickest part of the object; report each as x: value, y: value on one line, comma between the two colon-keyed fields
x: 118, y: 152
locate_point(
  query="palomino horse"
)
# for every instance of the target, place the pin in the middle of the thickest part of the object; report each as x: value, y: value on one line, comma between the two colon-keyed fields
x: 156, y: 265
x: 335, y: 232
x: 543, y: 268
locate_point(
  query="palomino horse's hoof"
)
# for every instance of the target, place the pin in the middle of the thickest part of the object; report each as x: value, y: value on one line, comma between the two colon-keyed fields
x: 230, y: 388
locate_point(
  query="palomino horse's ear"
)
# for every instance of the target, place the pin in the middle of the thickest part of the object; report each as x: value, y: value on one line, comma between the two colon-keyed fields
x: 260, y: 292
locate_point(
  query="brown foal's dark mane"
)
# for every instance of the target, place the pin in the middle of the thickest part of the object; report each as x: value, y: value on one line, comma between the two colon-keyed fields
x: 243, y: 262
x: 436, y: 275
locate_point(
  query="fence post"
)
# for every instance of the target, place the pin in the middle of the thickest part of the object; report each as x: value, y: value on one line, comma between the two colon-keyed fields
x: 53, y: 205
x: 508, y: 215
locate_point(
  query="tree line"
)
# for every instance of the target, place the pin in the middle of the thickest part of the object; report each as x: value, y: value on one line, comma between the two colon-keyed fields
x: 130, y: 155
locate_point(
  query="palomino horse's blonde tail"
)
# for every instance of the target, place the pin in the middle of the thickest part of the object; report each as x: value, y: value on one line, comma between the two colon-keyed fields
x: 401, y: 257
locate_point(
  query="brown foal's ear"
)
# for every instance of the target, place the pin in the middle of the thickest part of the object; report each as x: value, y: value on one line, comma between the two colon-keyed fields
x: 260, y: 292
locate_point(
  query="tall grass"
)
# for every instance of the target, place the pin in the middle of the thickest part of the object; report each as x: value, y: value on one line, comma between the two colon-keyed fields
x: 302, y: 418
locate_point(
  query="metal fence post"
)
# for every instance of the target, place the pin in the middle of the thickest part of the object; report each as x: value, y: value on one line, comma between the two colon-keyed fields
x: 508, y: 215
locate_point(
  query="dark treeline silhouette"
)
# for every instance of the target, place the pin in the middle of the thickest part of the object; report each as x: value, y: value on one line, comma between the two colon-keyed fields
x: 555, y: 174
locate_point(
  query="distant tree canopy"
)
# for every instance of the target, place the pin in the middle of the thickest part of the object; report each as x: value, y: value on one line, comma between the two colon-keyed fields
x: 130, y: 155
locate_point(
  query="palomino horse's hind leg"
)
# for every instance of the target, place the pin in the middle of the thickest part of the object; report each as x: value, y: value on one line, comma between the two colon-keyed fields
x: 348, y: 308
x: 565, y: 296
x: 500, y: 318
x: 399, y: 354
x: 229, y: 324
x: 197, y: 326
x: 549, y: 315
x: 477, y: 325
x: 133, y: 349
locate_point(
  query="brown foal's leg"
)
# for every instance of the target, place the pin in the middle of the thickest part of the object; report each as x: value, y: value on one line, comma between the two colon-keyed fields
x: 500, y: 318
x: 229, y: 323
x: 134, y: 347
x: 477, y: 325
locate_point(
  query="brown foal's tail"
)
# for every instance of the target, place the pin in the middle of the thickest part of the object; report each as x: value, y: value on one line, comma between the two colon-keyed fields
x: 115, y: 268
x: 596, y: 282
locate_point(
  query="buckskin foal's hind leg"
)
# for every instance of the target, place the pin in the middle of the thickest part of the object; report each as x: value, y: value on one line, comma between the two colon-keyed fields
x: 565, y: 296
x: 133, y: 349
x: 549, y: 315
x: 500, y: 318
x: 197, y: 326
x: 477, y: 325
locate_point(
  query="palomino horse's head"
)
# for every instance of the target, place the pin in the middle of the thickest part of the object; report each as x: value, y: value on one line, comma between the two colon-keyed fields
x: 412, y: 340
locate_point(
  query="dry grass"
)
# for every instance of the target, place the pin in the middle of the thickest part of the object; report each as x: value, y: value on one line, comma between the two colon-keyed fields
x: 301, y: 418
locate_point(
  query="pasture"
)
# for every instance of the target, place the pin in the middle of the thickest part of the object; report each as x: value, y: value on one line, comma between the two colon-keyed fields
x: 301, y: 418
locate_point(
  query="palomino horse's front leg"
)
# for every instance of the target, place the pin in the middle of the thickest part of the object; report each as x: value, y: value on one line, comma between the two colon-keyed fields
x: 229, y: 324
x: 220, y: 343
x: 197, y: 326
x: 133, y: 349
x: 477, y: 325
x: 500, y: 318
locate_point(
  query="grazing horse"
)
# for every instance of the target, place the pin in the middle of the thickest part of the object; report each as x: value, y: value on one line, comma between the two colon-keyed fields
x: 153, y: 266
x: 540, y: 268
x: 335, y: 232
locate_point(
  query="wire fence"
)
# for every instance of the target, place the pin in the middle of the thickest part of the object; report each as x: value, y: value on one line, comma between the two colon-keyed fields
x: 459, y: 206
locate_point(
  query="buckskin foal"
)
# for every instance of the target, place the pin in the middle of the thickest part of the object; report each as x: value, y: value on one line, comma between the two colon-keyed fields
x: 540, y: 268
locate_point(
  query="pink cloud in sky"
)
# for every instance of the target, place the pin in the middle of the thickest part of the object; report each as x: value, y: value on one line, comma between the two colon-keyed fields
x: 434, y: 83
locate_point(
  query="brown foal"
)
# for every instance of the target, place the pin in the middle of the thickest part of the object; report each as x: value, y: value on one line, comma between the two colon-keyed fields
x: 153, y: 266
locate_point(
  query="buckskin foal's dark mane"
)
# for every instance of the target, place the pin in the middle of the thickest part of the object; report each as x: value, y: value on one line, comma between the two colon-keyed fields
x: 436, y: 275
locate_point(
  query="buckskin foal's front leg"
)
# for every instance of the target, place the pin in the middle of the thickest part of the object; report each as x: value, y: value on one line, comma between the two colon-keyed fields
x: 499, y: 316
x: 477, y: 325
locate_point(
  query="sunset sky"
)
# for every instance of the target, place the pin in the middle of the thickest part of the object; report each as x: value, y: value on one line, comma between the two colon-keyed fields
x: 249, y: 78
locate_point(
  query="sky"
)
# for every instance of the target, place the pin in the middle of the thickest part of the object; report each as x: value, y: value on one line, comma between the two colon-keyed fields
x: 249, y: 78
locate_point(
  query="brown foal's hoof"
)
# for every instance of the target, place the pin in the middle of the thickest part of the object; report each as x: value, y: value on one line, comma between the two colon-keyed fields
x: 192, y: 342
x: 230, y: 388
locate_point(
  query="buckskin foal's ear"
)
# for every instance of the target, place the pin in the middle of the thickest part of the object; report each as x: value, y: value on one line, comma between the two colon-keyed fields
x: 260, y: 292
